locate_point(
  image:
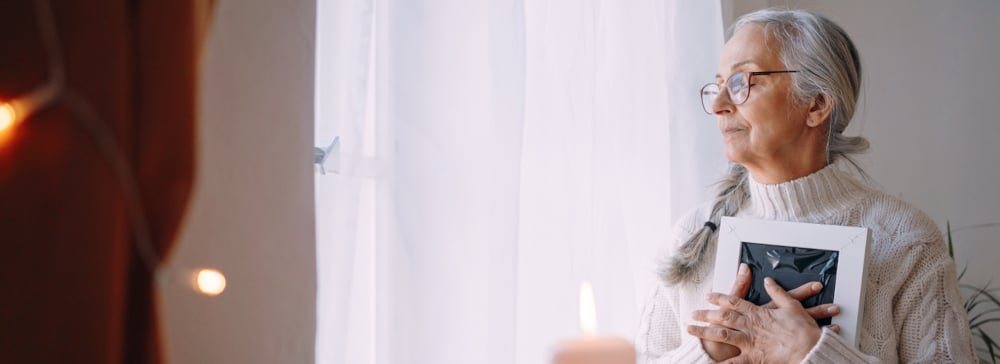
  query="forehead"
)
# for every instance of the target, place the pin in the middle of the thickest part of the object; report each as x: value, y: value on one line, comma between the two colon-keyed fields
x: 749, y: 44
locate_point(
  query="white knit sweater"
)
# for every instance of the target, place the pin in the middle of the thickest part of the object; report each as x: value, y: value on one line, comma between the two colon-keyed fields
x: 913, y: 310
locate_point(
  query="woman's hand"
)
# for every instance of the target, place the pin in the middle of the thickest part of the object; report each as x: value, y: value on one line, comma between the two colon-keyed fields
x: 784, y: 333
x: 720, y: 351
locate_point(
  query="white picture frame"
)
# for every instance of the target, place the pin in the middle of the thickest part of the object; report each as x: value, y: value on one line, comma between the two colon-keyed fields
x: 851, y: 243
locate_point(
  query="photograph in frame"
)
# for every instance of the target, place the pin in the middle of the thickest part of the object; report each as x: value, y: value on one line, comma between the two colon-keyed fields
x: 793, y: 254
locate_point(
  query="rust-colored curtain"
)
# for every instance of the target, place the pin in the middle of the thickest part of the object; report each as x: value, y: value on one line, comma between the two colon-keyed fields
x: 73, y: 288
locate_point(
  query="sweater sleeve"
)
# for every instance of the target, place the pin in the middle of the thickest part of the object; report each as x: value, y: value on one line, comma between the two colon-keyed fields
x: 831, y: 348
x: 660, y: 338
x: 932, y: 322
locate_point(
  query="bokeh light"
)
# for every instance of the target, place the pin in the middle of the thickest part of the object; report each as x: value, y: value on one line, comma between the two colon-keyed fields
x: 210, y: 282
x: 7, y: 116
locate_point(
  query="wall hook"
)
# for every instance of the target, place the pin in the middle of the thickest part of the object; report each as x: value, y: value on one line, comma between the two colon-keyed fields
x: 321, y: 154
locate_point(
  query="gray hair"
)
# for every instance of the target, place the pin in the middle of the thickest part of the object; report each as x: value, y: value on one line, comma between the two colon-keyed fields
x: 830, y: 67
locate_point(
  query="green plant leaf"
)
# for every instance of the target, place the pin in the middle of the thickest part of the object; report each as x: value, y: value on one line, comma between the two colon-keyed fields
x: 982, y: 296
x: 987, y: 293
x: 984, y: 322
x: 982, y: 304
x: 973, y: 301
x: 951, y: 249
x: 974, y: 320
x: 990, y: 345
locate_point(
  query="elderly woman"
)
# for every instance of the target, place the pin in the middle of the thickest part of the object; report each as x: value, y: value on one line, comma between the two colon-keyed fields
x: 787, y: 85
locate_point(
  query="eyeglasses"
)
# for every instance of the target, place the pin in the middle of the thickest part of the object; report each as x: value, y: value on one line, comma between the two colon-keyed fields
x: 738, y: 86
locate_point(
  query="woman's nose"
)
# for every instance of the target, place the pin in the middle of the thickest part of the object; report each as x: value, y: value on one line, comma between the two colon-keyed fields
x: 722, y: 103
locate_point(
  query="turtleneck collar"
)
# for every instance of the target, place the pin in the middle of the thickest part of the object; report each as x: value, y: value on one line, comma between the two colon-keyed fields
x: 812, y: 198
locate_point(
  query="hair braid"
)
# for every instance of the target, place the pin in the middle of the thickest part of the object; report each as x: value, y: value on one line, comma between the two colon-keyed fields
x: 685, y: 265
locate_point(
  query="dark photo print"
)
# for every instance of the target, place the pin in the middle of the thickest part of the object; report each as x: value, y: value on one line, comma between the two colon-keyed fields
x: 790, y: 267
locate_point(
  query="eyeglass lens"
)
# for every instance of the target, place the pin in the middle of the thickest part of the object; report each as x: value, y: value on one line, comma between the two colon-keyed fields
x: 736, y: 85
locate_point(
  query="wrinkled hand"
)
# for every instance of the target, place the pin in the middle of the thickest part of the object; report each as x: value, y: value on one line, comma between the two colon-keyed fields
x: 785, y: 333
x: 720, y: 350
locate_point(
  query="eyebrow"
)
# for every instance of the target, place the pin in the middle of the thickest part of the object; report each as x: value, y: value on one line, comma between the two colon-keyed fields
x: 737, y: 65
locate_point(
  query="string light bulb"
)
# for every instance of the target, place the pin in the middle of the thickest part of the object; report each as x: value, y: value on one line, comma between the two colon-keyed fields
x: 7, y: 116
x: 16, y: 110
x: 210, y: 282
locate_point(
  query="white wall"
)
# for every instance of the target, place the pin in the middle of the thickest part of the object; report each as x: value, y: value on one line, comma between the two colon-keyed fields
x: 252, y: 213
x: 930, y: 85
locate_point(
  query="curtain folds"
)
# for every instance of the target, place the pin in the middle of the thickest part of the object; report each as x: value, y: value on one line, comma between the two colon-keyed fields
x: 78, y: 289
x: 504, y: 151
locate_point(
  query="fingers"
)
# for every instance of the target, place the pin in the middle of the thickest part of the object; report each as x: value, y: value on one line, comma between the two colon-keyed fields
x: 743, y: 279
x: 779, y: 295
x: 835, y: 328
x: 801, y: 292
x: 730, y: 302
x: 722, y: 317
x: 719, y: 334
x: 823, y: 311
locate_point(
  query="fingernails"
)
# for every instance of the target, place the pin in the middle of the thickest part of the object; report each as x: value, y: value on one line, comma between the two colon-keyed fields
x: 833, y: 309
x: 744, y: 269
x: 768, y: 280
x: 816, y: 286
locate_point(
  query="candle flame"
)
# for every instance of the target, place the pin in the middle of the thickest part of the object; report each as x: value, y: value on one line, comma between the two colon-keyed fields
x: 588, y: 312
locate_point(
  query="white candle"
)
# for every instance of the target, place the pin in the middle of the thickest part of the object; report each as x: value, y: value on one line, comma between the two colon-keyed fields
x: 592, y: 349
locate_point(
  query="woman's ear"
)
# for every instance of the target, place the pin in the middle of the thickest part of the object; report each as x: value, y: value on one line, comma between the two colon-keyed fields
x: 819, y: 110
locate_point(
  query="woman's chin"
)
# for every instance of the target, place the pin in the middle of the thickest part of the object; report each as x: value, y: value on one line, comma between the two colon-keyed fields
x: 735, y: 154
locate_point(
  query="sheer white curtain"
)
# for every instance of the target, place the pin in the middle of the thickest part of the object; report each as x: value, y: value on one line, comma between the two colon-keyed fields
x: 493, y: 155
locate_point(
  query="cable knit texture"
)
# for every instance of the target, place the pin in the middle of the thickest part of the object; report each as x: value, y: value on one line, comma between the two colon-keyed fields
x: 913, y: 310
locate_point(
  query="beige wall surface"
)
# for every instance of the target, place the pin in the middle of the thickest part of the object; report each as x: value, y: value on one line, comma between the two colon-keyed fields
x: 251, y: 215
